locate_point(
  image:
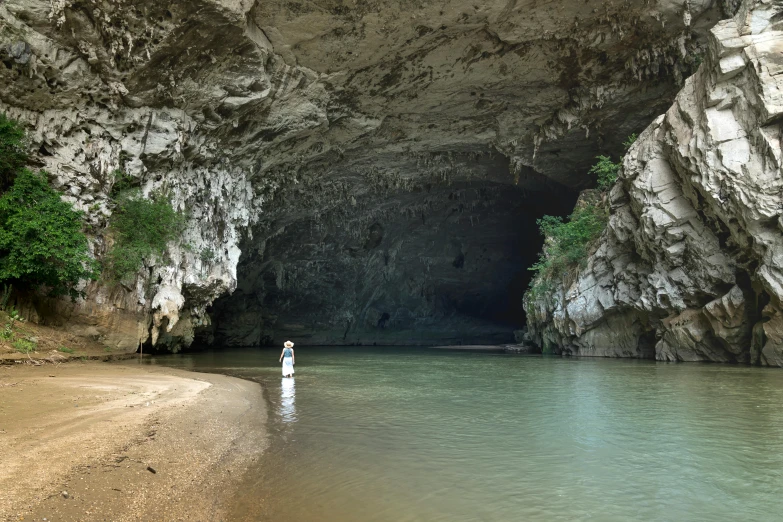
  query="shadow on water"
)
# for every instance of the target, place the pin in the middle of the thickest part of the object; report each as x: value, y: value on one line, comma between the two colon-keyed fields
x: 391, y: 434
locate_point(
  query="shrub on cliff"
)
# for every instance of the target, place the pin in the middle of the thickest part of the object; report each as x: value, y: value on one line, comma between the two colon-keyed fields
x: 567, y: 242
x: 12, y: 151
x: 41, y: 241
x: 122, y: 182
x: 606, y: 171
x: 141, y: 228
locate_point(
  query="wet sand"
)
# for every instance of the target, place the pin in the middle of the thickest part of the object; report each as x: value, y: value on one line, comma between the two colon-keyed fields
x: 123, y: 442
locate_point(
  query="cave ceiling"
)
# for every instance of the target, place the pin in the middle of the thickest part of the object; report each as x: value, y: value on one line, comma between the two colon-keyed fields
x: 268, y: 118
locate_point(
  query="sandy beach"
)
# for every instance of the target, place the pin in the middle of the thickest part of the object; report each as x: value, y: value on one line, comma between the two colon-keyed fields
x: 122, y: 442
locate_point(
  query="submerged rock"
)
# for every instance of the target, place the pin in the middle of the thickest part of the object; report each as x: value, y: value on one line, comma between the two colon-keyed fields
x: 690, y: 267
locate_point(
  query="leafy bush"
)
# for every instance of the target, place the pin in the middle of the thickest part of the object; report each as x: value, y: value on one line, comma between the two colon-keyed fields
x: 121, y: 183
x: 24, y: 345
x: 567, y: 242
x: 7, y: 333
x: 12, y: 151
x: 142, y: 228
x: 41, y: 242
x: 606, y: 171
x: 207, y: 255
x: 14, y: 316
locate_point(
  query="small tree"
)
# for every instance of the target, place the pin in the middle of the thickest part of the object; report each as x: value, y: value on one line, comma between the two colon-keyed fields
x: 142, y: 228
x: 121, y: 183
x: 207, y: 255
x: 606, y: 171
x: 41, y: 241
x: 12, y: 151
x: 567, y: 242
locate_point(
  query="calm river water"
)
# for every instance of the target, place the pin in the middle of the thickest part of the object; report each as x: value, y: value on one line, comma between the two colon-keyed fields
x: 391, y: 435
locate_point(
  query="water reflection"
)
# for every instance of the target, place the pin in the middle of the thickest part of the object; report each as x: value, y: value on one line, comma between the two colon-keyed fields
x: 287, y: 400
x: 502, y: 438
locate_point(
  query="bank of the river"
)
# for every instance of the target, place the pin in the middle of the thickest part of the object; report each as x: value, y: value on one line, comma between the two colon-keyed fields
x: 125, y: 442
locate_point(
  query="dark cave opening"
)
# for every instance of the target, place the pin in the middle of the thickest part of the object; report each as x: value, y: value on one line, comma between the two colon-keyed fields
x: 438, y: 264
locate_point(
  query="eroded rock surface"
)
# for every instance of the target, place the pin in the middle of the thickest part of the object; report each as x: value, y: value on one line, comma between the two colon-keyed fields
x: 690, y: 267
x: 421, y: 267
x: 260, y: 117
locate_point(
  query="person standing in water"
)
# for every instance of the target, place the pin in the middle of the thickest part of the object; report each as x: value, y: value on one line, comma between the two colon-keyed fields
x: 287, y: 358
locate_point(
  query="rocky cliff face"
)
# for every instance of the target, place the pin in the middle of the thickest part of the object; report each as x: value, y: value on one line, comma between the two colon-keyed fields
x: 690, y: 267
x: 269, y: 121
x: 444, y: 265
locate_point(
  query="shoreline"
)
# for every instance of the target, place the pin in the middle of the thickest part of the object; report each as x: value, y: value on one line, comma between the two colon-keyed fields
x: 124, y: 442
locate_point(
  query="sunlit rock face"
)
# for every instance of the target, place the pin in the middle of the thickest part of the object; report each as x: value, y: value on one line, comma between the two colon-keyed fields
x: 690, y: 267
x: 259, y: 115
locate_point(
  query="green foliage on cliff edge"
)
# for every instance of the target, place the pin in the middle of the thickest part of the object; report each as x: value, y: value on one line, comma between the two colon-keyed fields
x: 122, y: 182
x: 12, y: 151
x: 41, y: 241
x: 141, y: 228
x: 568, y: 241
x: 606, y: 171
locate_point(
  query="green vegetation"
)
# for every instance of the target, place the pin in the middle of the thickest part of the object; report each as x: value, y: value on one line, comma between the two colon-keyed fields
x: 121, y: 183
x: 24, y: 345
x: 14, y: 316
x: 41, y: 239
x: 207, y: 255
x: 606, y: 171
x: 141, y: 228
x: 41, y: 242
x: 568, y: 241
x: 12, y: 151
x: 7, y: 333
x: 5, y: 295
x: 65, y: 349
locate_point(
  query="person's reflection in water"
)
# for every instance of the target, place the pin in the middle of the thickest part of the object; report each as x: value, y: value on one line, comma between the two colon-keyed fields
x: 287, y: 400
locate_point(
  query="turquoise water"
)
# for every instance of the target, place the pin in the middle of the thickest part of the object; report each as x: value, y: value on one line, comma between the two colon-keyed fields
x: 388, y: 435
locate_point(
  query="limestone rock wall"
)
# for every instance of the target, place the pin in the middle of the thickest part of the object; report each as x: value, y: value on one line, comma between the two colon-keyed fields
x: 690, y: 267
x: 445, y: 265
x: 254, y: 114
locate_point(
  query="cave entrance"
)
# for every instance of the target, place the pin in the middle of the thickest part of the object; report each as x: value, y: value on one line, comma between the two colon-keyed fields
x: 439, y: 264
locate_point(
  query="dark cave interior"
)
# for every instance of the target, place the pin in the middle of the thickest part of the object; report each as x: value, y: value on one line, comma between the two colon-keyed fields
x: 438, y: 263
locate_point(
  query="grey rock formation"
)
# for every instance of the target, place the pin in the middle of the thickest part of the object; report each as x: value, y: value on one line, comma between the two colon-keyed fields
x: 422, y: 267
x: 262, y: 119
x: 691, y: 265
